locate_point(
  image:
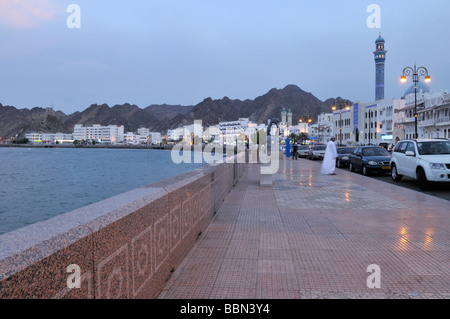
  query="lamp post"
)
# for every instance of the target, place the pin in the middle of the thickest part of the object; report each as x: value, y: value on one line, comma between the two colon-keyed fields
x: 415, y: 73
x: 340, y: 105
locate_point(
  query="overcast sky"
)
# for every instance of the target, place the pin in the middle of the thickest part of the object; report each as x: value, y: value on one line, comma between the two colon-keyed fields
x: 179, y: 52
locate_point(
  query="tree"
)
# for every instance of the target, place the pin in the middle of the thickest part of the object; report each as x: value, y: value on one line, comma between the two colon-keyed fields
x: 294, y: 137
x: 21, y: 141
x: 303, y: 137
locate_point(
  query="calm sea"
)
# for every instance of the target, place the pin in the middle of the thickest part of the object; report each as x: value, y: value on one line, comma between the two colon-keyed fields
x: 39, y: 183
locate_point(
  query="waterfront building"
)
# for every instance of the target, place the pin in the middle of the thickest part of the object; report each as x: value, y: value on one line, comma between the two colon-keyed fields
x: 378, y: 121
x: 369, y: 123
x: 143, y: 136
x: 130, y: 138
x: 186, y: 133
x: 233, y: 130
x: 154, y: 138
x: 176, y: 134
x: 322, y: 131
x: 111, y: 134
x: 143, y: 131
x: 300, y: 128
x: 433, y: 114
x: 49, y: 138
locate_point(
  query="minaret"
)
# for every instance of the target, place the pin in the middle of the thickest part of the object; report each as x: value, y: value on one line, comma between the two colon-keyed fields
x: 380, y: 59
x: 283, y: 116
x: 289, y: 118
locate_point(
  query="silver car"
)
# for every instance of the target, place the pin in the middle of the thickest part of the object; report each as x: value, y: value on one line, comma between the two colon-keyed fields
x: 317, y: 152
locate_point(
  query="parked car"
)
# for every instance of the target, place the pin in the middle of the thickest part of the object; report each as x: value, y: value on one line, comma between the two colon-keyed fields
x: 370, y: 159
x: 303, y: 150
x: 343, y: 158
x: 424, y: 160
x: 317, y: 151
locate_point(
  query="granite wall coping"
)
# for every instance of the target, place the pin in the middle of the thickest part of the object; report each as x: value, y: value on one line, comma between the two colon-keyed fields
x: 30, y: 249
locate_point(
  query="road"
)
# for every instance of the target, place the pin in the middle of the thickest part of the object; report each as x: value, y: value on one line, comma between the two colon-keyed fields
x: 437, y: 190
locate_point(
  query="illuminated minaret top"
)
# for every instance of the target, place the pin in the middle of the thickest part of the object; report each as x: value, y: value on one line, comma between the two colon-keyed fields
x: 380, y: 59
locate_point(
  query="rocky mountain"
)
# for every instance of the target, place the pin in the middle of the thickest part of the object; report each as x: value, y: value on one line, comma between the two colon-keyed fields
x: 167, y: 112
x: 18, y: 122
x: 270, y: 105
x: 131, y: 116
x: 163, y: 117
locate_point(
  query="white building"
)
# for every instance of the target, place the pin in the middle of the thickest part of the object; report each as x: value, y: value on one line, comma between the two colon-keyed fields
x: 233, y: 130
x: 368, y: 123
x: 323, y: 130
x: 379, y: 121
x: 433, y: 111
x: 49, y: 138
x: 186, y: 133
x: 111, y: 134
x: 300, y: 128
x: 130, y: 138
x: 155, y: 138
x: 145, y: 136
x: 176, y: 134
x: 143, y: 131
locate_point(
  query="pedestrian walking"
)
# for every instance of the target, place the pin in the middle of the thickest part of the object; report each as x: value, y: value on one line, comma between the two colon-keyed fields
x: 329, y: 160
x: 295, y: 151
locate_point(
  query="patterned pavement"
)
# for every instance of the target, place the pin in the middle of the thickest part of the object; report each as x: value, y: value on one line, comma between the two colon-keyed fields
x: 313, y: 236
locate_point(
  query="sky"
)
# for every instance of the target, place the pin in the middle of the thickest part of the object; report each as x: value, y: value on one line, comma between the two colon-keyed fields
x: 147, y: 52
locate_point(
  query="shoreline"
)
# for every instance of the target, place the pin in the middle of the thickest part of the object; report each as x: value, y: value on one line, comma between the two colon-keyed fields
x: 138, y: 147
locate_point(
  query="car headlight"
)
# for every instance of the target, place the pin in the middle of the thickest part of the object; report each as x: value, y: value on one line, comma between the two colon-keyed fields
x: 372, y: 163
x: 437, y: 166
x: 345, y: 158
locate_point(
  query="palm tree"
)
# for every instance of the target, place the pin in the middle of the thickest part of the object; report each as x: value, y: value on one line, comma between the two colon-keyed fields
x: 303, y: 137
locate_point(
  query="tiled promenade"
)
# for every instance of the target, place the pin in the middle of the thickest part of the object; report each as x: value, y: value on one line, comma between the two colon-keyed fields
x: 313, y: 236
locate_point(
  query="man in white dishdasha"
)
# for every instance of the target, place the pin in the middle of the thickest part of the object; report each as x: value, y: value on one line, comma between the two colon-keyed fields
x: 329, y: 160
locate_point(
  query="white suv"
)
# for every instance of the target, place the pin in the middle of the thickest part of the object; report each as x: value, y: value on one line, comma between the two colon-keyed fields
x: 424, y: 160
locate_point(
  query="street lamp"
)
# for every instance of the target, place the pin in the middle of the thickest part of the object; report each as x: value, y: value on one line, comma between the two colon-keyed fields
x: 415, y: 73
x: 340, y: 105
x: 305, y: 119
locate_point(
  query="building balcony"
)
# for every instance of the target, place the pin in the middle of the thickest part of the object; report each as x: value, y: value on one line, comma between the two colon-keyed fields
x: 405, y: 120
x: 443, y: 120
x: 430, y: 122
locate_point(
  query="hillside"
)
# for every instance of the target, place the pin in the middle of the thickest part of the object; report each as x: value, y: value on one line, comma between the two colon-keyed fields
x: 163, y: 117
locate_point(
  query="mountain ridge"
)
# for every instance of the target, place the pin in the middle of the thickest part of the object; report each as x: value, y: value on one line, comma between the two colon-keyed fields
x: 163, y: 117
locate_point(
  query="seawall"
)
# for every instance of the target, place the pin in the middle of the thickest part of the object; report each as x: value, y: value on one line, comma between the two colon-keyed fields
x: 125, y: 246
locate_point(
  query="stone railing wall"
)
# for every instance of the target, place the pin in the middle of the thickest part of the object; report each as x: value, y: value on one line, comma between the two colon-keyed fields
x: 125, y: 246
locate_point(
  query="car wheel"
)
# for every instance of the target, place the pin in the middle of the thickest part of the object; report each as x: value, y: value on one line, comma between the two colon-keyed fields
x: 422, y: 179
x: 394, y: 174
x: 352, y: 169
x: 365, y: 171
